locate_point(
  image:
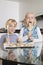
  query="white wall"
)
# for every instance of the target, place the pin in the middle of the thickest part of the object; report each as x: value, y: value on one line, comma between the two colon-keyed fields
x: 18, y: 8
x: 8, y: 9
x: 35, y: 6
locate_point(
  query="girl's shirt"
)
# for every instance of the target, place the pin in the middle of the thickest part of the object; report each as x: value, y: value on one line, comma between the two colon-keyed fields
x: 33, y: 31
x: 36, y: 34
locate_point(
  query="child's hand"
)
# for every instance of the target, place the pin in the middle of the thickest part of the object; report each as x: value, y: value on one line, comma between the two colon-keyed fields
x: 19, y: 40
x: 31, y: 39
x: 7, y: 39
x: 29, y: 34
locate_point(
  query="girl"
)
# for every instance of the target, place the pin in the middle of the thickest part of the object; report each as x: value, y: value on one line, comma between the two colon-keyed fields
x: 31, y: 33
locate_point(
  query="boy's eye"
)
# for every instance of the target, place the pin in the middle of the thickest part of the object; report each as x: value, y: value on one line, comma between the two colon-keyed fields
x: 11, y: 26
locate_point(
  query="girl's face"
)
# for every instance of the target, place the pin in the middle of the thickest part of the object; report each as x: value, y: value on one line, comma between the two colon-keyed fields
x: 11, y: 28
x: 30, y: 19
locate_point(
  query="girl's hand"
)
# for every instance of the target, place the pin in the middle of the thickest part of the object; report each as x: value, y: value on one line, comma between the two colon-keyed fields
x: 31, y: 39
x: 29, y: 34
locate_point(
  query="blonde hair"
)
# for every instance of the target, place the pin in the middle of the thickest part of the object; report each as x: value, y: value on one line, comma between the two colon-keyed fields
x: 9, y: 21
x: 26, y: 16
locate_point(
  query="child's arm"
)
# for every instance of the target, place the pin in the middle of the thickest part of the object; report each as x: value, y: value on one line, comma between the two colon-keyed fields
x: 39, y: 36
x: 23, y: 38
x: 38, y: 42
x: 2, y: 40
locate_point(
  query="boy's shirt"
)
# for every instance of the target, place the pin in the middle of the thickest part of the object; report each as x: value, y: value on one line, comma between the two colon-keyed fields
x: 13, y: 38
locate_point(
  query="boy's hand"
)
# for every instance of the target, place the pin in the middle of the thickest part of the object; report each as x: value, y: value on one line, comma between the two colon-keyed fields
x: 19, y: 40
x: 7, y: 39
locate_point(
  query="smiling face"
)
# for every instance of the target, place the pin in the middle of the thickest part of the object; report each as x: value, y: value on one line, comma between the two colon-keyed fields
x: 29, y: 19
x: 11, y: 28
x: 11, y: 24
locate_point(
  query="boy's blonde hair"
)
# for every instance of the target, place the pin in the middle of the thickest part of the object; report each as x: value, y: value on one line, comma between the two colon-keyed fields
x: 26, y: 16
x: 9, y: 21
